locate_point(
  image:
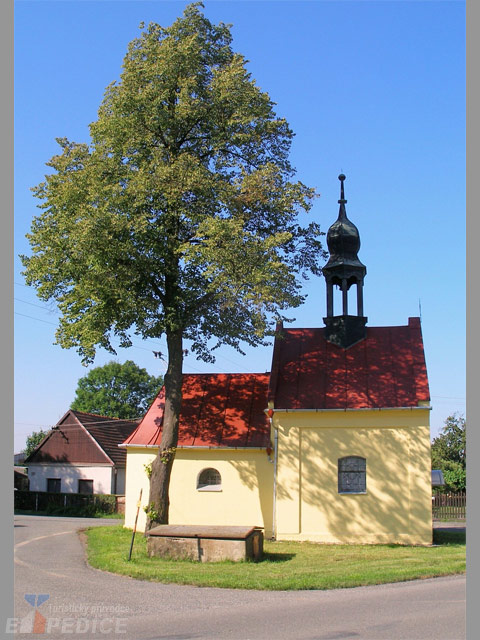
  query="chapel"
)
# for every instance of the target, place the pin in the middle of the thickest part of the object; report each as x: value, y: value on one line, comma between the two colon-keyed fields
x: 333, y: 445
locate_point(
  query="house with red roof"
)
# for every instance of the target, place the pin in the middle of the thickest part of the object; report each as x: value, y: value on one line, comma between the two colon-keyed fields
x: 332, y: 446
x: 81, y: 455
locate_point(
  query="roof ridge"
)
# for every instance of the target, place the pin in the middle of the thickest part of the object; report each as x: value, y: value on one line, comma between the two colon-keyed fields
x: 98, y: 415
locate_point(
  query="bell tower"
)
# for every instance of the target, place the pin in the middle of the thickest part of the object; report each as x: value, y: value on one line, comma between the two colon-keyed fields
x: 343, y: 270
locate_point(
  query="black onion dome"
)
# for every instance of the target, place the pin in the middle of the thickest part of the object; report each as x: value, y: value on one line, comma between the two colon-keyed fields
x: 343, y: 238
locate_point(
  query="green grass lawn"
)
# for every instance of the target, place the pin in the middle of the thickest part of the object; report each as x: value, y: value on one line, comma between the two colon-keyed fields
x: 286, y: 565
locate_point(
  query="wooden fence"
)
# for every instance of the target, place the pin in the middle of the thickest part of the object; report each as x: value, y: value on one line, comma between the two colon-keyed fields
x: 449, y: 506
x: 68, y: 503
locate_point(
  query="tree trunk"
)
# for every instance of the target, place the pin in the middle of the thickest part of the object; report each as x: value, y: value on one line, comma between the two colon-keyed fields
x: 162, y: 465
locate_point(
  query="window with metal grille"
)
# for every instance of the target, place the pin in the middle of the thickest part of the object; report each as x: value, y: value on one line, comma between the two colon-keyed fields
x: 54, y: 485
x: 209, y: 480
x: 85, y: 486
x: 352, y: 475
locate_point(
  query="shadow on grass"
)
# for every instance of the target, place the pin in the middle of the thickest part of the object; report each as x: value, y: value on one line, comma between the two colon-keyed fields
x: 439, y: 538
x: 277, y: 557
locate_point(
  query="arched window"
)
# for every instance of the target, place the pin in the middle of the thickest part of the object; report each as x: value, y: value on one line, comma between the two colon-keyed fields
x: 352, y: 475
x: 209, y: 480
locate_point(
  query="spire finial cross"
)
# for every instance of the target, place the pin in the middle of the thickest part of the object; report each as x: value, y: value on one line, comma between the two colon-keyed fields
x: 341, y: 177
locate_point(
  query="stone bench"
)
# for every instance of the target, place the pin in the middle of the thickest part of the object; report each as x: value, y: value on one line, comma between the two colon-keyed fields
x: 205, y: 543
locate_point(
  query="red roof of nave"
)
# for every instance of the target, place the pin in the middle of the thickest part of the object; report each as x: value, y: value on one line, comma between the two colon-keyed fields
x: 218, y: 410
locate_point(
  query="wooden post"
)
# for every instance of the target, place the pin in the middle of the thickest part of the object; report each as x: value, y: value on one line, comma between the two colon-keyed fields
x: 135, y: 525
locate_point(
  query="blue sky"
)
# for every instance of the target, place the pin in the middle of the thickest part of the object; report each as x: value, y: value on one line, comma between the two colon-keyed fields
x: 373, y: 89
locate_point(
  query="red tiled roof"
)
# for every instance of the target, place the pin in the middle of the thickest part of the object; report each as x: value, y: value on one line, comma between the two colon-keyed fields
x: 386, y: 369
x: 218, y: 410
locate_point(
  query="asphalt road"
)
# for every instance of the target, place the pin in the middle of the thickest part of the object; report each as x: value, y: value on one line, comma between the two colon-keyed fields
x: 85, y: 603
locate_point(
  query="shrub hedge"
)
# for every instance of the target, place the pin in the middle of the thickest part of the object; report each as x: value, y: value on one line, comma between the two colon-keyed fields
x: 65, y: 504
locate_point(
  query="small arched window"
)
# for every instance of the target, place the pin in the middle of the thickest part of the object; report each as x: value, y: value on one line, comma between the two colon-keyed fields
x: 352, y: 475
x: 209, y: 480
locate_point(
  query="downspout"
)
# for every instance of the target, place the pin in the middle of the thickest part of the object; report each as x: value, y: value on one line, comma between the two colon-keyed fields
x: 275, y: 464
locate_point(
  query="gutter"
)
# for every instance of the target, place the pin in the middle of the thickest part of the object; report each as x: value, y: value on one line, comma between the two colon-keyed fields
x: 157, y: 446
x: 428, y: 408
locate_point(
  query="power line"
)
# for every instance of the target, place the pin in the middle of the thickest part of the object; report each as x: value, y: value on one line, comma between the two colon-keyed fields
x: 32, y: 424
x: 134, y: 346
x: 150, y: 340
x: 107, y: 423
x: 40, y: 306
x: 72, y: 427
x: 17, y: 313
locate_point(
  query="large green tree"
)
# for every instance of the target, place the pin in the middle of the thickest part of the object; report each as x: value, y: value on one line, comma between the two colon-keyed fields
x: 181, y: 218
x: 449, y: 452
x: 117, y: 390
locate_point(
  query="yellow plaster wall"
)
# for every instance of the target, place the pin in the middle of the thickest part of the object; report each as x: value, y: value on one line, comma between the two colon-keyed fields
x: 397, y: 505
x: 246, y: 497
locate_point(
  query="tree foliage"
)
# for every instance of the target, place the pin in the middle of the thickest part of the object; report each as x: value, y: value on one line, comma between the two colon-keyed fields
x: 117, y: 390
x: 182, y: 215
x: 449, y: 452
x: 33, y: 440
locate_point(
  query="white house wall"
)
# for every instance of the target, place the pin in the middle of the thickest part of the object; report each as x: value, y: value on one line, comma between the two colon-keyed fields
x: 120, y: 488
x: 102, y: 477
